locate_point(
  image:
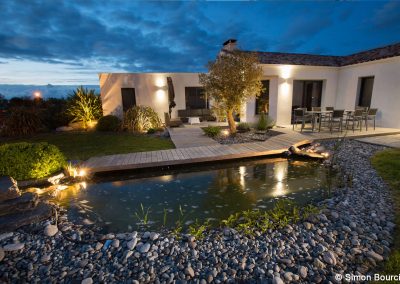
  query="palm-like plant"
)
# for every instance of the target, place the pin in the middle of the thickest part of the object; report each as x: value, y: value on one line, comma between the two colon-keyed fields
x: 84, y: 106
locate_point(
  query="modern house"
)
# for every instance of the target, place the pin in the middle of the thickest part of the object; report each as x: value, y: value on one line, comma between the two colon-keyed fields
x: 369, y: 78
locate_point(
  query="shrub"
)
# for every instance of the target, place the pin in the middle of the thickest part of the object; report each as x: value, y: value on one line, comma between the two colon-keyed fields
x: 141, y: 119
x: 30, y: 160
x: 53, y: 113
x: 212, y: 131
x: 151, y: 131
x: 108, y: 123
x: 264, y: 122
x: 243, y: 127
x: 22, y: 122
x: 84, y: 105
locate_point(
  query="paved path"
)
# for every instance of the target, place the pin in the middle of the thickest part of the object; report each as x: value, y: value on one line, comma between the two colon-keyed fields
x: 185, y: 137
x: 389, y: 140
x: 217, y: 152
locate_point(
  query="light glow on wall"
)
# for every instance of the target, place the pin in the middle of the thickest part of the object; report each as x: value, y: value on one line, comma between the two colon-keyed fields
x: 160, y: 82
x: 286, y: 71
x: 160, y: 95
x: 285, y: 88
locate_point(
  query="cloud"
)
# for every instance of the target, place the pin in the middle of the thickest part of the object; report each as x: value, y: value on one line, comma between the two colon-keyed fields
x: 388, y: 16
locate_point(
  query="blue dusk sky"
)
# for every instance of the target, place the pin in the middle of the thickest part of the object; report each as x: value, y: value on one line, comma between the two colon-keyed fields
x: 69, y: 42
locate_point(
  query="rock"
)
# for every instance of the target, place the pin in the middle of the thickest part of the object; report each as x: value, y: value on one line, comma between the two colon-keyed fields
x: 14, y: 247
x: 288, y: 276
x: 6, y: 235
x: 88, y: 280
x: 132, y: 243
x: 50, y: 230
x: 56, y: 178
x: 1, y: 254
x: 26, y: 201
x: 115, y: 243
x: 335, y: 215
x: 307, y: 225
x: 146, y: 235
x: 98, y: 246
x: 318, y: 264
x: 189, y: 271
x: 45, y: 258
x: 277, y: 280
x: 330, y: 258
x: 303, y: 271
x: 144, y: 248
x: 8, y: 188
x: 64, y: 128
x: 154, y: 236
x: 374, y: 255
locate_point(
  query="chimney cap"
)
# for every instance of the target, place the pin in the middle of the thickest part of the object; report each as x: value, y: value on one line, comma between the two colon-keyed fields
x: 231, y: 40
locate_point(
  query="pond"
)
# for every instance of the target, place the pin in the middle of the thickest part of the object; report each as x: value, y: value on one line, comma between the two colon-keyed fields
x: 208, y: 192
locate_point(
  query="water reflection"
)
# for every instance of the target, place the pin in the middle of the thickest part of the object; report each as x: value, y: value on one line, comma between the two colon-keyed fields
x: 205, y: 193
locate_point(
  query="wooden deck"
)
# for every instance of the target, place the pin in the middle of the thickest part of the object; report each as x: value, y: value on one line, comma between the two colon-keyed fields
x: 273, y: 146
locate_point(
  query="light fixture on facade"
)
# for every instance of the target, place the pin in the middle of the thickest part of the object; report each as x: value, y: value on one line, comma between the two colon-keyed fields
x: 286, y: 71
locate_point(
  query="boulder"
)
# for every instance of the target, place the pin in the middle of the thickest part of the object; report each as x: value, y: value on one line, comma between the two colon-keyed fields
x: 8, y: 188
x: 26, y: 201
x: 13, y: 221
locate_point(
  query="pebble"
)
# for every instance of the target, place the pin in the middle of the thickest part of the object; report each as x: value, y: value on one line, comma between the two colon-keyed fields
x: 115, y: 243
x: 132, y: 243
x: 13, y: 247
x: 88, y: 280
x: 277, y: 280
x: 303, y: 271
x: 189, y: 271
x: 144, y: 248
x: 50, y: 230
x: 2, y: 254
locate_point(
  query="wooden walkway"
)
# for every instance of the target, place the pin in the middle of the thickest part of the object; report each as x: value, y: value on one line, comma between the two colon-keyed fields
x: 389, y: 141
x: 273, y: 146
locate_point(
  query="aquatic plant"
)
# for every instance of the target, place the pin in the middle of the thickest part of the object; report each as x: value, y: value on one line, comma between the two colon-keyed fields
x: 143, y: 214
x: 284, y: 212
x: 197, y: 229
x: 165, y: 217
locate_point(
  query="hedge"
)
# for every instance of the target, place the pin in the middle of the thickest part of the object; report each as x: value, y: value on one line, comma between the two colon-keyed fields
x: 24, y: 160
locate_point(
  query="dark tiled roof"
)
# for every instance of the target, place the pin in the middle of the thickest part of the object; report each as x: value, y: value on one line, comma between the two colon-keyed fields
x: 328, y: 60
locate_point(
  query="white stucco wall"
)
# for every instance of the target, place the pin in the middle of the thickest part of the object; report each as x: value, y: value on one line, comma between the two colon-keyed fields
x: 150, y: 89
x: 385, y: 93
x: 339, y: 89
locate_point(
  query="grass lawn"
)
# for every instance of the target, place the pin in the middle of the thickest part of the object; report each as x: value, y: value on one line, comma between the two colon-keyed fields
x: 387, y: 163
x: 83, y: 145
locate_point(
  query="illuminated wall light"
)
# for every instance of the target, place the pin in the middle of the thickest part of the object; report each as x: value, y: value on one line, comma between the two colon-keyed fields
x: 37, y: 94
x: 286, y: 71
x: 160, y: 82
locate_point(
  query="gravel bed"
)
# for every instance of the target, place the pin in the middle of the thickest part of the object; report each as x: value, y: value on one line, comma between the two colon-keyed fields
x: 245, y: 137
x: 351, y: 234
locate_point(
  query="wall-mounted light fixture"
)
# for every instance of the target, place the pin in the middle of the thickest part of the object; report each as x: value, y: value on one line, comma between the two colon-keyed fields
x: 286, y: 71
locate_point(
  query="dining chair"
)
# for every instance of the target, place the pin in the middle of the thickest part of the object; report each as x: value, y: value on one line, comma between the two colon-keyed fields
x: 356, y: 116
x: 316, y: 108
x: 337, y: 116
x: 329, y: 108
x: 301, y: 116
x: 370, y: 115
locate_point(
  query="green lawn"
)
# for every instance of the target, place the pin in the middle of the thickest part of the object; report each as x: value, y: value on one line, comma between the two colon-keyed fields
x: 83, y: 145
x: 387, y: 163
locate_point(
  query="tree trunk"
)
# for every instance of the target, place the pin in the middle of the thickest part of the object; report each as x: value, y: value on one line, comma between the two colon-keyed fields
x: 231, y: 121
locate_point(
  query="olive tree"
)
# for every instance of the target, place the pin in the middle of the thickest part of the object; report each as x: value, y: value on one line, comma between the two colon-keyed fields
x: 231, y: 80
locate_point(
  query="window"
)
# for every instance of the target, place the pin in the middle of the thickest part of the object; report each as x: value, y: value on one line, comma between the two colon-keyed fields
x: 365, y: 94
x: 262, y: 101
x: 195, y: 98
x: 128, y: 98
x: 306, y: 94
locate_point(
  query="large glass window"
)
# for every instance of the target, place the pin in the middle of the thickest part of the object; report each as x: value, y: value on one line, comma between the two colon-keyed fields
x: 365, y: 94
x: 262, y: 101
x: 128, y: 98
x: 195, y: 98
x: 306, y: 94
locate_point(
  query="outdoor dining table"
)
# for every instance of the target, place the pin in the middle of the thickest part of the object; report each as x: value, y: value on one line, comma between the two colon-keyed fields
x: 317, y: 114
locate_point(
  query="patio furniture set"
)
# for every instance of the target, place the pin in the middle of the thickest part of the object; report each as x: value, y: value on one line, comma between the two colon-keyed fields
x: 330, y: 118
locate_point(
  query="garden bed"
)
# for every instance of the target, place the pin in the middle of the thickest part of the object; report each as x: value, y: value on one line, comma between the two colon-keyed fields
x: 245, y: 137
x: 351, y: 234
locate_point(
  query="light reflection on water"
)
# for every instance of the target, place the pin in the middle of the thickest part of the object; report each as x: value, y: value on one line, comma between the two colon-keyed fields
x: 212, y: 192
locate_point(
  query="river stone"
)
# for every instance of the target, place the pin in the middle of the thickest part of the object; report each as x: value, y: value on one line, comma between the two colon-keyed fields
x: 1, y: 254
x: 303, y: 271
x: 88, y: 280
x: 13, y: 247
x: 329, y: 257
x: 115, y: 243
x: 374, y: 255
x: 277, y: 280
x: 132, y: 243
x: 318, y: 264
x: 189, y: 271
x: 8, y: 188
x: 144, y: 248
x: 154, y: 236
x: 50, y: 230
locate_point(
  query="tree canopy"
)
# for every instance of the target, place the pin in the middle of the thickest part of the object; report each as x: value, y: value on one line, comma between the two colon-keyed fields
x: 231, y: 80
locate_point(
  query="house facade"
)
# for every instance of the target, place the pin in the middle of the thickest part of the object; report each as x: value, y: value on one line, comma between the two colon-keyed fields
x: 370, y: 78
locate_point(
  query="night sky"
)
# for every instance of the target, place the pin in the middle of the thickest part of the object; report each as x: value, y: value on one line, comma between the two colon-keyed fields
x: 69, y: 42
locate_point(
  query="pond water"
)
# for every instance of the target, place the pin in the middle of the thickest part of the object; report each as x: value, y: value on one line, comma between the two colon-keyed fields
x: 203, y: 193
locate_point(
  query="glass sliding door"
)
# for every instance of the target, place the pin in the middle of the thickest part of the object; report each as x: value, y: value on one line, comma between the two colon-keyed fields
x: 365, y: 94
x: 307, y: 94
x: 195, y: 98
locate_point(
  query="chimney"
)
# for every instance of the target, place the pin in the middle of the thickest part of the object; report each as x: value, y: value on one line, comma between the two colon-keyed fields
x: 229, y: 45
